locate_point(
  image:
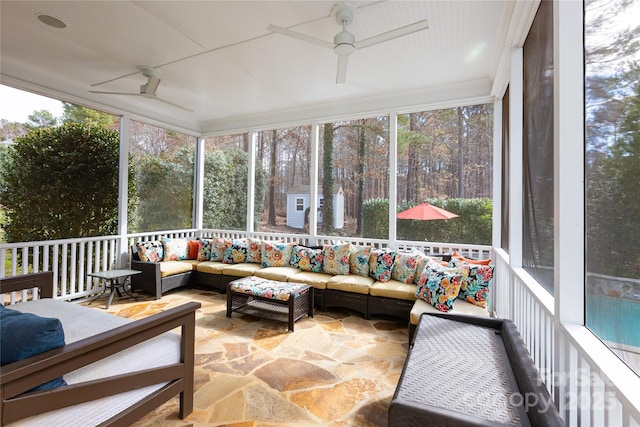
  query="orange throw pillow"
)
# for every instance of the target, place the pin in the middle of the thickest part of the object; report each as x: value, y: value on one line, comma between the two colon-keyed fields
x: 192, y: 249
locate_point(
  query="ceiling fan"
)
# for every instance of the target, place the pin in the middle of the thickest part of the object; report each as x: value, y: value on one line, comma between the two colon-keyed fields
x: 344, y: 43
x: 148, y: 90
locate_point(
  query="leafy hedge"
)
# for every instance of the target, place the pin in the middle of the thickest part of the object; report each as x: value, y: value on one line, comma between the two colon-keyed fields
x: 473, y: 225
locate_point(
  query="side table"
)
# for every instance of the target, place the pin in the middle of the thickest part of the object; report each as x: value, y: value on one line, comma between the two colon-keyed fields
x: 114, y: 281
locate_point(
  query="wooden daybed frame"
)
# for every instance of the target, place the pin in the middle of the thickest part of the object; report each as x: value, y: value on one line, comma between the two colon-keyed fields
x: 16, y: 378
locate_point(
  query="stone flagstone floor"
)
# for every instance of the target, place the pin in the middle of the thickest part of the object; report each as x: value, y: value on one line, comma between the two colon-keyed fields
x: 336, y: 369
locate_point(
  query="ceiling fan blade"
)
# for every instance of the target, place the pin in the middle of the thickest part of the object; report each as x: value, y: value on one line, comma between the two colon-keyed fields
x: 167, y: 102
x: 113, y: 93
x: 393, y: 34
x: 341, y: 75
x: 299, y: 36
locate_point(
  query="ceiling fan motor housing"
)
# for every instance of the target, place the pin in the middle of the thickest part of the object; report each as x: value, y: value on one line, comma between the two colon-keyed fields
x: 344, y: 43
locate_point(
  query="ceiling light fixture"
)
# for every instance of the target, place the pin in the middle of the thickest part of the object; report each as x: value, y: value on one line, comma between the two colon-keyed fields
x: 51, y: 21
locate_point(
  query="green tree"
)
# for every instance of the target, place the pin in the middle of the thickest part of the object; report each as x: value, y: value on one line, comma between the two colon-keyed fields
x: 614, y: 213
x: 61, y: 182
x: 41, y: 119
x: 78, y: 114
x: 327, y: 178
x: 225, y: 189
x: 11, y: 130
x: 165, y: 191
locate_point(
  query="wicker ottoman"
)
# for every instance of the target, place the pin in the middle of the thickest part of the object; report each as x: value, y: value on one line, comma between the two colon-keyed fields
x: 270, y: 299
x: 470, y: 371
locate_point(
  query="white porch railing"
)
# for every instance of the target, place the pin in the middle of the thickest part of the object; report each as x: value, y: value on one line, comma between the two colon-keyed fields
x: 590, y: 385
x: 72, y: 259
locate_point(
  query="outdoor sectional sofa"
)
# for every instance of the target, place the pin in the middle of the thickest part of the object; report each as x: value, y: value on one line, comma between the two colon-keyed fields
x: 371, y: 281
x: 66, y: 364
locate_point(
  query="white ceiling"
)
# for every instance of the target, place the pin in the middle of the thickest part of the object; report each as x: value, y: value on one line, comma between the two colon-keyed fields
x: 218, y: 59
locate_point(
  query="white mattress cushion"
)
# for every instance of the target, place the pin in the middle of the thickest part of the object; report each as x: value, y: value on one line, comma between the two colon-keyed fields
x: 80, y: 322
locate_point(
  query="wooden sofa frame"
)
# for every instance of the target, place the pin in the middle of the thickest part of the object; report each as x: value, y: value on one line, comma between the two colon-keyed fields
x: 19, y: 377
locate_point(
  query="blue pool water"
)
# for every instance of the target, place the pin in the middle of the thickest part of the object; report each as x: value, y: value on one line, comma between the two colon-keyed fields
x: 614, y: 319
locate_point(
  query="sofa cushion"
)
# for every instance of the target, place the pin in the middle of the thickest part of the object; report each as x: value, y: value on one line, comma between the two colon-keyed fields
x: 336, y: 259
x: 317, y: 280
x: 175, y: 249
x: 359, y: 260
x: 240, y: 270
x: 151, y: 251
x: 381, y: 264
x: 211, y: 267
x: 350, y: 283
x: 439, y: 285
x: 276, y: 254
x: 281, y: 274
x: 404, y: 267
x: 254, y: 250
x: 23, y: 335
x: 170, y: 268
x: 192, y: 262
x: 307, y: 259
x: 476, y: 282
x: 393, y: 289
x: 219, y: 247
x: 459, y: 307
x: 237, y: 252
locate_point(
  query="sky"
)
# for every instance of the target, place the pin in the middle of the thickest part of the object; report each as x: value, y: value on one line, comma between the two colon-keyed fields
x: 16, y: 105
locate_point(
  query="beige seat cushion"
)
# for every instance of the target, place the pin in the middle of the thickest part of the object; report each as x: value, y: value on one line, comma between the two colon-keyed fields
x: 393, y: 289
x: 280, y: 274
x: 240, y: 270
x: 211, y: 267
x: 192, y: 262
x: 169, y: 268
x: 350, y: 283
x: 317, y: 280
x: 459, y: 307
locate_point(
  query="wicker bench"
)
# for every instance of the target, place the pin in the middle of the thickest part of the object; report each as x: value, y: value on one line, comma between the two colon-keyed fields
x: 470, y: 371
x: 270, y: 299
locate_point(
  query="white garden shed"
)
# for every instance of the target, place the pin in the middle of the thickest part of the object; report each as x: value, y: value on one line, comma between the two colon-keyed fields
x: 299, y: 199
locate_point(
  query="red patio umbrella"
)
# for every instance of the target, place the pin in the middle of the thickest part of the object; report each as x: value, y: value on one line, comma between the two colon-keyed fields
x: 426, y: 212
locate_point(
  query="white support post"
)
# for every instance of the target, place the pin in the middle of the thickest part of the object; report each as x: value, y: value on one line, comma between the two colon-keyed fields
x: 251, y: 181
x: 516, y: 169
x: 569, y: 202
x: 123, y: 192
x: 393, y: 178
x: 496, y: 226
x: 568, y: 151
x: 198, y: 184
x: 313, y: 187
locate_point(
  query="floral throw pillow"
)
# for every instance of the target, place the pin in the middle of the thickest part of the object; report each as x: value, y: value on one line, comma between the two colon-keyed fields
x: 254, y: 250
x: 404, y: 267
x: 236, y: 253
x: 175, y: 249
x: 219, y: 248
x: 336, y: 259
x: 359, y: 260
x: 439, y: 285
x: 381, y: 264
x: 204, y: 250
x: 307, y: 259
x: 276, y: 254
x: 476, y: 282
x: 152, y: 251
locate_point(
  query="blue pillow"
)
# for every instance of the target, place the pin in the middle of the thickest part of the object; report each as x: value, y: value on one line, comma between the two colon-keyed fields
x: 23, y: 335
